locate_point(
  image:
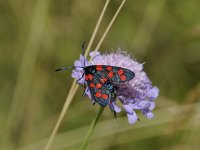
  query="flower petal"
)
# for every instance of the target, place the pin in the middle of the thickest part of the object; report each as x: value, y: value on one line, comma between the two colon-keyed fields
x: 82, y: 62
x: 77, y: 75
x: 87, y: 92
x: 95, y: 55
x: 134, y: 106
x: 132, y: 118
x: 128, y: 109
x: 153, y: 93
x: 144, y: 104
x: 149, y: 115
x: 152, y: 105
x: 116, y: 108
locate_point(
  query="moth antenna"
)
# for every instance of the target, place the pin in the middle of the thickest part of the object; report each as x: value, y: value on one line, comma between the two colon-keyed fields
x: 83, y: 51
x: 66, y: 68
x: 83, y: 48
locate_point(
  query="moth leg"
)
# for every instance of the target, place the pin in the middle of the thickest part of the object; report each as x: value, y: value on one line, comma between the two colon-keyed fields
x: 80, y: 77
x: 83, y: 51
x: 83, y: 48
x: 113, y: 99
x: 115, y: 114
x: 83, y: 85
x: 84, y: 89
x: 112, y: 109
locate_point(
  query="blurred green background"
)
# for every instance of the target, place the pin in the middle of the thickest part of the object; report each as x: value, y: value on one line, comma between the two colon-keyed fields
x: 37, y: 37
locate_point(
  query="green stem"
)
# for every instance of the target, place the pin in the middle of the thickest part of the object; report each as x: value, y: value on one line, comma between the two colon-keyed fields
x: 91, y: 129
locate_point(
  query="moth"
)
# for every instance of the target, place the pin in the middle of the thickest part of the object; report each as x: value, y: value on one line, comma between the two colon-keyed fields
x: 102, y: 80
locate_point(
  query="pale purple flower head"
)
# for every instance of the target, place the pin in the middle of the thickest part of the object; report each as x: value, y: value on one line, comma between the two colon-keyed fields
x: 137, y: 94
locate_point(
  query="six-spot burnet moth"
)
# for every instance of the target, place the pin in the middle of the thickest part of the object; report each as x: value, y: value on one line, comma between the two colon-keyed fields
x: 102, y: 81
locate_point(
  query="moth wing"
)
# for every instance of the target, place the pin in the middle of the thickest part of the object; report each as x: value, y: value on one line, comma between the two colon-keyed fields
x: 127, y: 74
x: 103, y: 99
x: 117, y: 74
x: 101, y: 94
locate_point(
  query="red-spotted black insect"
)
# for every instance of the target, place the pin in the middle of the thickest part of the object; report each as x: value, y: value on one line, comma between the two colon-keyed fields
x: 102, y: 81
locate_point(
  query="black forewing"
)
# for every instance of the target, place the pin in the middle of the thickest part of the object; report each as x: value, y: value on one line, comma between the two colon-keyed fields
x: 116, y: 77
x: 106, y: 88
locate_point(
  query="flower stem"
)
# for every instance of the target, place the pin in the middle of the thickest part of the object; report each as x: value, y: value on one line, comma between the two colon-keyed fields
x: 91, y: 129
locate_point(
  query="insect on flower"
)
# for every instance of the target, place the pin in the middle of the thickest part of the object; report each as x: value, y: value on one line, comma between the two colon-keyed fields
x: 102, y: 81
x: 116, y: 76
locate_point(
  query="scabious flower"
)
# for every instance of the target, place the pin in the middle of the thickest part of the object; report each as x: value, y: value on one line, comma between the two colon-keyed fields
x: 137, y: 94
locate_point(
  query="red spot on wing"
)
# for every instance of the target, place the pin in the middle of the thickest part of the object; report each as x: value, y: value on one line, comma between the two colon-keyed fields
x: 108, y: 68
x: 99, y: 68
x: 110, y: 74
x: 123, y: 77
x: 90, y: 76
x: 86, y: 77
x: 98, y: 94
x: 104, y: 96
x: 103, y: 80
x: 120, y: 72
x: 98, y: 85
x: 92, y: 85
